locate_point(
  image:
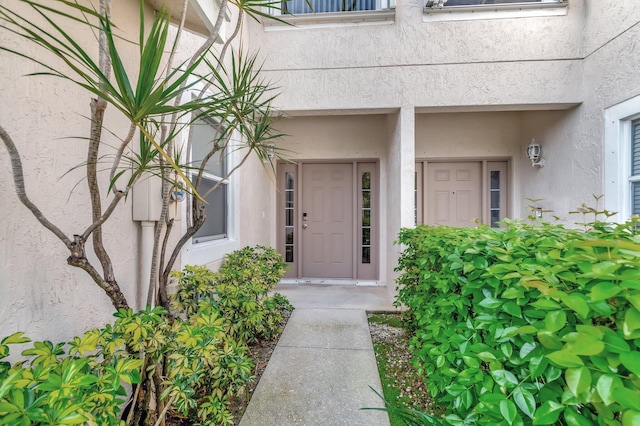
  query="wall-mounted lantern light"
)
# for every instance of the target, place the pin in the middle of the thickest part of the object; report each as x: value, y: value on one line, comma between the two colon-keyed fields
x: 534, y: 153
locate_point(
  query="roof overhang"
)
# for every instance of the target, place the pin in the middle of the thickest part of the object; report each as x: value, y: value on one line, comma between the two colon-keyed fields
x: 201, y: 14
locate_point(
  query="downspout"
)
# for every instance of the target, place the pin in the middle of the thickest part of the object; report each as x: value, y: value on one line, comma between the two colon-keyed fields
x: 144, y: 261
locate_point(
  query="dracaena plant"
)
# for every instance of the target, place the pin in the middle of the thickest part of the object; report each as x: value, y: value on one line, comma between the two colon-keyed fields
x: 158, y: 104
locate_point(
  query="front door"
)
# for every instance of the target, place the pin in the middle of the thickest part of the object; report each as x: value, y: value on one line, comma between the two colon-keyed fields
x: 454, y: 191
x: 461, y: 193
x: 327, y: 220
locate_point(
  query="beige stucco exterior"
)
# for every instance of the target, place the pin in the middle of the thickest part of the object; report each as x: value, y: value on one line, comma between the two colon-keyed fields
x: 41, y: 294
x: 395, y: 87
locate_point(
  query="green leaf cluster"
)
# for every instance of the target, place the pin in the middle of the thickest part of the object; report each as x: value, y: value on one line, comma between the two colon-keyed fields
x: 192, y: 364
x: 237, y: 98
x: 239, y: 290
x: 56, y: 385
x: 526, y: 324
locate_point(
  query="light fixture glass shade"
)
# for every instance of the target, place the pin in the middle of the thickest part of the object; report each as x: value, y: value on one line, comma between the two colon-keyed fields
x: 534, y: 153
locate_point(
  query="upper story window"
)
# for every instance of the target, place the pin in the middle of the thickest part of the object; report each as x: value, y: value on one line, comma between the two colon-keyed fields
x: 214, y: 186
x: 297, y: 7
x: 451, y: 3
x: 465, y: 10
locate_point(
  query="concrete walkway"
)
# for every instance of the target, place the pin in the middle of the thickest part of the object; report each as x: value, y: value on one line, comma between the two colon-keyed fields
x: 323, y: 365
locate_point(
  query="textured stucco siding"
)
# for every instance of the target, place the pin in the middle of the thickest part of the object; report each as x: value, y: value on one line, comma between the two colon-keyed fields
x: 532, y: 60
x: 579, y: 63
x: 429, y: 85
x: 41, y: 294
x: 573, y: 141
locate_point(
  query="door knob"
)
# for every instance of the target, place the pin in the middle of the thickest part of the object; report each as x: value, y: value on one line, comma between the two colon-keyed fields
x: 304, y: 225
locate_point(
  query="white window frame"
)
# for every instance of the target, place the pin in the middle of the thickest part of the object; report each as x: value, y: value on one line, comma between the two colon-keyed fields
x: 383, y: 15
x: 617, y: 157
x: 381, y: 5
x: 213, y: 250
x: 213, y: 179
x: 495, y: 11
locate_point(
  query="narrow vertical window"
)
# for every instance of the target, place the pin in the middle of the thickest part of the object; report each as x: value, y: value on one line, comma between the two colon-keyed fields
x: 634, y: 179
x: 289, y: 217
x: 214, y: 186
x: 366, y: 217
x: 494, y: 188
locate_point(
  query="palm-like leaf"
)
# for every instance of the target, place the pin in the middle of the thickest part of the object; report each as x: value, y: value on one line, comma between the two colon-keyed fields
x: 154, y: 93
x: 257, y: 8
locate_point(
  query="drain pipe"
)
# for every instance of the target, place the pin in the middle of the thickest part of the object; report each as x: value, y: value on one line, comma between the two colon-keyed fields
x: 144, y: 261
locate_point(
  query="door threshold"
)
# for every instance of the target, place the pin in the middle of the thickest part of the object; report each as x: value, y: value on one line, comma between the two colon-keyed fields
x: 330, y: 281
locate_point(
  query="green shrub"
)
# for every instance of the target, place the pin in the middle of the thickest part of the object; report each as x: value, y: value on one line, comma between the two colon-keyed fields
x: 526, y: 324
x: 192, y: 364
x: 239, y: 290
x: 56, y: 387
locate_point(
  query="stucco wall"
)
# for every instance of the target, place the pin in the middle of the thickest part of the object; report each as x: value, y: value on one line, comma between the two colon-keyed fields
x: 333, y: 137
x: 474, y: 134
x: 410, y: 62
x: 573, y: 141
x: 571, y: 173
x: 611, y: 76
x: 257, y: 207
x: 399, y: 188
x: 580, y: 63
x: 41, y: 294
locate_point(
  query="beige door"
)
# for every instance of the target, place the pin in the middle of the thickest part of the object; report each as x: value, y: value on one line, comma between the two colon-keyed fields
x: 327, y: 220
x: 454, y: 193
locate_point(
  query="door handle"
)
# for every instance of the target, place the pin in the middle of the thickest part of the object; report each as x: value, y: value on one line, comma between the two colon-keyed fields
x: 304, y: 226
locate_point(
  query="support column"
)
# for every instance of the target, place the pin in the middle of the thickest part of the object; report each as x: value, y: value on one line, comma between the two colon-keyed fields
x: 400, y: 172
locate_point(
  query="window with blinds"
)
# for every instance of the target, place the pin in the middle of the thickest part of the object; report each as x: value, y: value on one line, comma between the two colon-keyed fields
x: 634, y: 179
x: 298, y: 7
x: 453, y: 3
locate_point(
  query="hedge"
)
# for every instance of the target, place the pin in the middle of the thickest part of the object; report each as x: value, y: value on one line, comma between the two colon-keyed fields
x: 526, y: 324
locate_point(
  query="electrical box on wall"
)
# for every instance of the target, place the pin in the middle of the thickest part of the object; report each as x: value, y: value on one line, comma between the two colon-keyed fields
x: 147, y: 199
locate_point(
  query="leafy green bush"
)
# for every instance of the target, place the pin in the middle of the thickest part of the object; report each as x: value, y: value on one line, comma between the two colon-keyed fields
x: 239, y: 290
x: 58, y: 387
x: 83, y: 381
x: 192, y: 364
x: 526, y: 324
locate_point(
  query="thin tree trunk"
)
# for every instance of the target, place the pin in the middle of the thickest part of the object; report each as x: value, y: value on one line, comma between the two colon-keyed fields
x: 77, y: 246
x: 18, y: 181
x: 156, y: 266
x: 98, y: 107
x: 78, y: 259
x: 166, y: 189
